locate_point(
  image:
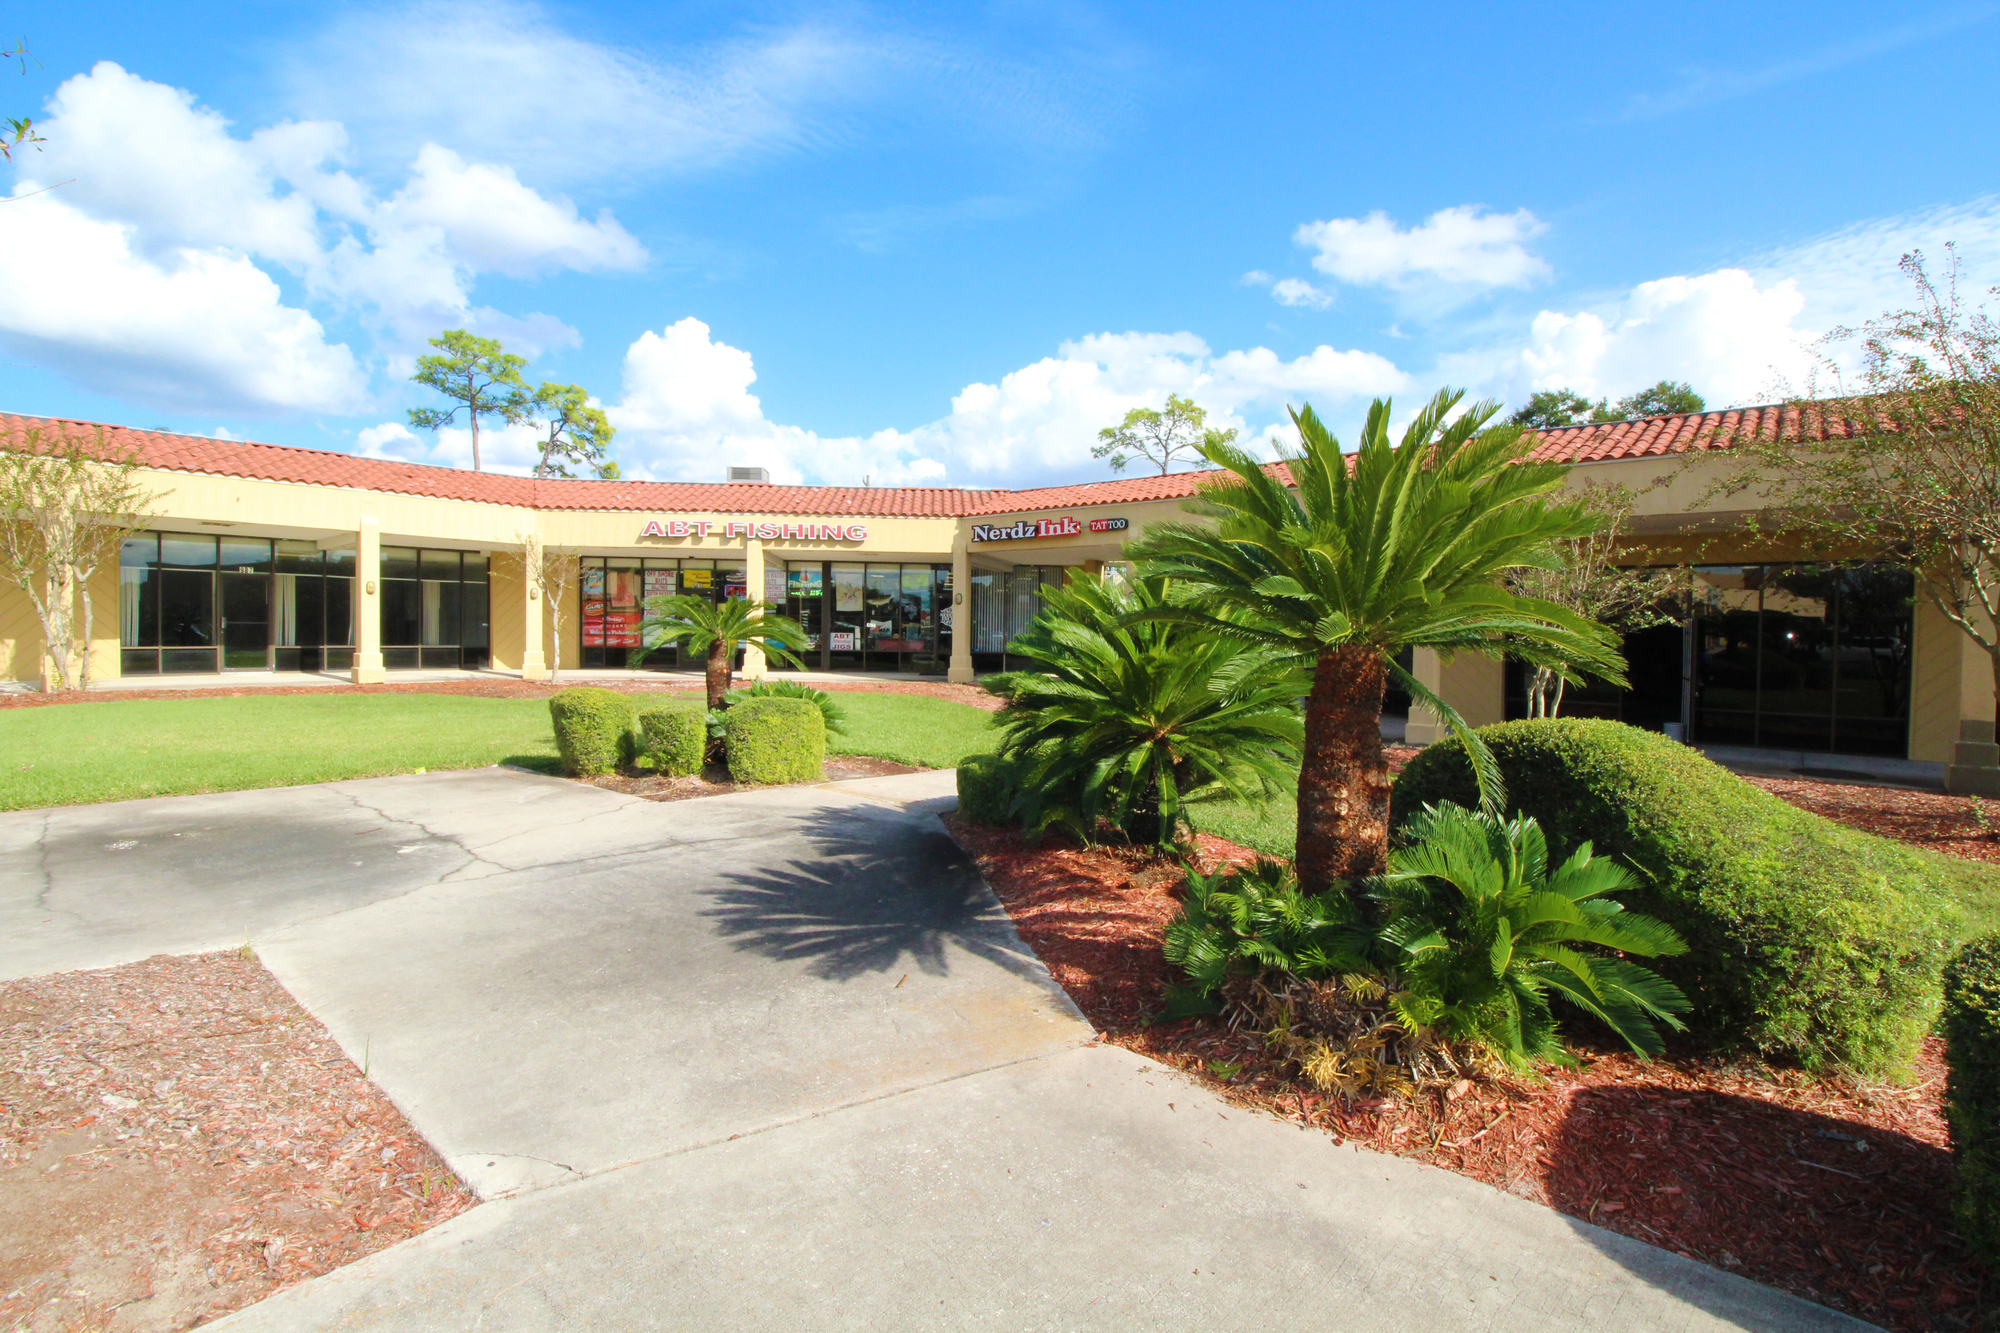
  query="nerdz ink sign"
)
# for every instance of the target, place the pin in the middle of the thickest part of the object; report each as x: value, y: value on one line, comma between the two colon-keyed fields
x: 1042, y: 527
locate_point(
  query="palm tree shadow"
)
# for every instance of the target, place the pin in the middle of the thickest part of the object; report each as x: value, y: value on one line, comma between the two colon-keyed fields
x: 880, y: 890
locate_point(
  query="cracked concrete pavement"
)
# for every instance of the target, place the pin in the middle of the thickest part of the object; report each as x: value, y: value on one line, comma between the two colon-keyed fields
x: 779, y: 1057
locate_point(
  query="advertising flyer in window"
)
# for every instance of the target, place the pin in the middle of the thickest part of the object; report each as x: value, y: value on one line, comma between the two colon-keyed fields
x: 593, y: 582
x: 621, y: 629
x: 697, y: 580
x: 803, y: 583
x: 774, y: 584
x: 846, y: 596
x: 622, y: 587
x: 841, y: 642
x: 660, y: 583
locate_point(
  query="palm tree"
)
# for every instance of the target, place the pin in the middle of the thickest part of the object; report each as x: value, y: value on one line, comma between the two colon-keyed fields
x: 1400, y: 546
x: 1483, y: 931
x: 1133, y: 721
x: 719, y: 629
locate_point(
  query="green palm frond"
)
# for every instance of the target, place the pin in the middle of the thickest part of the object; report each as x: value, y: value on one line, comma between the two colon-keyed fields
x: 1484, y: 928
x: 698, y: 624
x: 1132, y: 720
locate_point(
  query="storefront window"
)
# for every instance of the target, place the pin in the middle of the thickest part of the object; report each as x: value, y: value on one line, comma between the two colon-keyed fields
x: 289, y: 606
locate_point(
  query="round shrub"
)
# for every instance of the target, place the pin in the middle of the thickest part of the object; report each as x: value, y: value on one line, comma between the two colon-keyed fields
x: 676, y: 737
x: 1972, y: 1091
x: 1806, y: 938
x: 593, y: 729
x: 986, y: 788
x: 775, y: 740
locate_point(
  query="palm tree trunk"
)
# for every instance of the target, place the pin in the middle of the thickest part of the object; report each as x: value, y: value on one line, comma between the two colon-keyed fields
x: 718, y: 671
x: 1343, y: 781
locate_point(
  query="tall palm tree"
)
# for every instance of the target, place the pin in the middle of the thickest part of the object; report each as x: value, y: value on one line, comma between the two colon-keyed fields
x: 719, y: 629
x: 1398, y: 546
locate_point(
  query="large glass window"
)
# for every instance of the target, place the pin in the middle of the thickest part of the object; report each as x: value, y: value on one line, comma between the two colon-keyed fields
x: 1002, y: 604
x: 1788, y: 657
x: 286, y: 604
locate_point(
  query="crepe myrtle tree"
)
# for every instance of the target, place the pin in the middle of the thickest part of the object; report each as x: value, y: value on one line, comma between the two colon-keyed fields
x: 68, y: 498
x: 1900, y: 465
x: 1400, y: 545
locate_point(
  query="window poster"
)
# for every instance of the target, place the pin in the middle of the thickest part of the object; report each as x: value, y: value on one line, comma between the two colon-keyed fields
x: 803, y: 583
x: 593, y: 582
x: 697, y: 580
x: 621, y: 629
x: 660, y: 583
x: 593, y: 609
x: 774, y: 584
x: 841, y: 643
x: 846, y: 596
x: 623, y: 587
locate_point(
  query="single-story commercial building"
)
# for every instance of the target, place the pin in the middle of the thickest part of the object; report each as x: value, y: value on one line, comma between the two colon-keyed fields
x: 269, y: 558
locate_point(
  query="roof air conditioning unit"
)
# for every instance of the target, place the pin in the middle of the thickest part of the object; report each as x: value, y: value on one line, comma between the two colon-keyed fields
x: 750, y: 474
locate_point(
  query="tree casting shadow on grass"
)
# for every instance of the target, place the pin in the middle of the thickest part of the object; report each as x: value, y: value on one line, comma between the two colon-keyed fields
x: 881, y: 891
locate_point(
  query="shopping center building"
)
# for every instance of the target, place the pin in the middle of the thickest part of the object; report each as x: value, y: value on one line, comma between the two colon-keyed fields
x: 265, y: 558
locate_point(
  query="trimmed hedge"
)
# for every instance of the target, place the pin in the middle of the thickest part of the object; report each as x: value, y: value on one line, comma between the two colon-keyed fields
x: 676, y: 736
x: 593, y: 729
x: 1806, y: 938
x: 1972, y: 1091
x: 775, y: 740
x: 986, y: 784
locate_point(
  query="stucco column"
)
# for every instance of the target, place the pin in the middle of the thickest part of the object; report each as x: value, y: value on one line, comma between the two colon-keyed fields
x: 1474, y: 685
x: 754, y: 666
x: 959, y: 672
x: 534, y: 666
x: 367, y: 668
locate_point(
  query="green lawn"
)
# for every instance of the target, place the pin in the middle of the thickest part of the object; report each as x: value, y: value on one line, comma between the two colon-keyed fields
x: 1271, y: 827
x: 911, y: 729
x: 71, y: 754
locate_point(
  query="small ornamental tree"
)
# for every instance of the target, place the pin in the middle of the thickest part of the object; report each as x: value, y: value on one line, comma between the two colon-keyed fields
x: 1587, y: 579
x: 1901, y: 465
x: 552, y: 571
x: 481, y: 375
x: 1161, y: 438
x: 67, y: 500
x: 717, y: 630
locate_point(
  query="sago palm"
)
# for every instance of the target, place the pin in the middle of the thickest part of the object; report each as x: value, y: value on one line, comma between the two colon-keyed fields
x: 1130, y: 722
x: 1482, y: 932
x: 718, y: 629
x: 1397, y: 546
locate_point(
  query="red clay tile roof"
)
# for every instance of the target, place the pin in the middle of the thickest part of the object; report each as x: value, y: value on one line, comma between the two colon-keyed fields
x: 1645, y: 437
x: 1656, y: 437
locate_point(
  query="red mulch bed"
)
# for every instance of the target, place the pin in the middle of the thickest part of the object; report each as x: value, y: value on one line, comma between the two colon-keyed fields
x: 178, y: 1139
x: 1951, y: 824
x: 506, y: 688
x: 1833, y: 1191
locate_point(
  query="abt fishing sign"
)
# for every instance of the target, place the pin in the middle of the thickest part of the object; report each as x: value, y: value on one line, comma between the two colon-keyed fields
x: 1043, y: 527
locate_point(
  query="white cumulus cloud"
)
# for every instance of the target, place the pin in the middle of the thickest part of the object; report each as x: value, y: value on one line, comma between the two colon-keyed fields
x: 166, y: 199
x: 193, y: 329
x: 687, y: 411
x: 1464, y: 245
x: 1299, y: 292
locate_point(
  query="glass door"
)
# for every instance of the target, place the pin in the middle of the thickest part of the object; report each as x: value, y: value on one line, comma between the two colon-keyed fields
x: 246, y: 621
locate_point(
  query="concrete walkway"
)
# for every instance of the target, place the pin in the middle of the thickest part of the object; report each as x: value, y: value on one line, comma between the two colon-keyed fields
x: 778, y: 1059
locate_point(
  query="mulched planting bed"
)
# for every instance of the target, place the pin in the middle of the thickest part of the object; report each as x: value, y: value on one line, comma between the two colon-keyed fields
x: 503, y: 688
x: 1950, y: 824
x: 1833, y: 1191
x: 715, y: 779
x: 178, y: 1139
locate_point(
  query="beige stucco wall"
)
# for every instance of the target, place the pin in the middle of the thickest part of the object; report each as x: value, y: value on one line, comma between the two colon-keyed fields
x: 22, y: 650
x: 1676, y: 518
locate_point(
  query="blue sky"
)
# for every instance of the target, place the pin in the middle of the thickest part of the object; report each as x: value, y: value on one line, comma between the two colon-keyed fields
x: 943, y: 245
